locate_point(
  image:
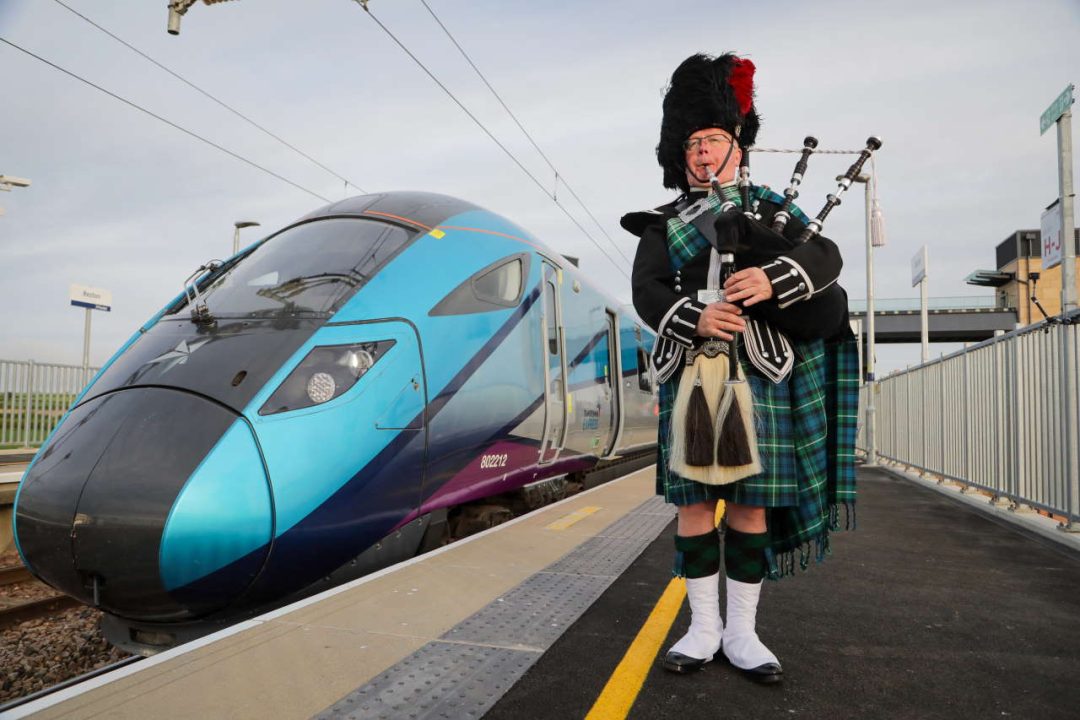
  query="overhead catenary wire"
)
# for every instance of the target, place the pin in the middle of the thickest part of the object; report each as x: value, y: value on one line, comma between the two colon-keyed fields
x: 206, y: 94
x: 558, y: 175
x: 551, y: 196
x: 168, y: 122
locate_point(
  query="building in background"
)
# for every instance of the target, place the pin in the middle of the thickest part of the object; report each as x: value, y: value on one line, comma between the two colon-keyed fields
x: 1019, y: 268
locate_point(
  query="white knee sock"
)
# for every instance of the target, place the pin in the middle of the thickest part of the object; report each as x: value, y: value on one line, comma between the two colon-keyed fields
x: 703, y: 638
x: 741, y: 644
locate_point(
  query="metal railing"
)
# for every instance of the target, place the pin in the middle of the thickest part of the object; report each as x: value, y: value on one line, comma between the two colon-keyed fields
x: 999, y: 416
x: 33, y: 398
x: 959, y: 303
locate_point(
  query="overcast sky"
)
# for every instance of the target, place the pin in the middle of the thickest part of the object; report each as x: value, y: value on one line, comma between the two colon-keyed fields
x: 124, y: 202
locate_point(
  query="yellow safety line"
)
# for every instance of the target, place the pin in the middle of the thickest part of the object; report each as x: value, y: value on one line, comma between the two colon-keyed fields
x: 625, y: 683
x: 576, y: 516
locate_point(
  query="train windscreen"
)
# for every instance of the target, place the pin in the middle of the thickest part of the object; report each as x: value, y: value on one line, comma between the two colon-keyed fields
x: 306, y: 271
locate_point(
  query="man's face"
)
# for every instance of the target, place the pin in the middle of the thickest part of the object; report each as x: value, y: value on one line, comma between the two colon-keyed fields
x: 705, y: 152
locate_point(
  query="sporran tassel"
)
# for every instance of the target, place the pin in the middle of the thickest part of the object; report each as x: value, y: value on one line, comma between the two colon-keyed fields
x: 699, y: 429
x: 733, y: 441
x: 704, y: 395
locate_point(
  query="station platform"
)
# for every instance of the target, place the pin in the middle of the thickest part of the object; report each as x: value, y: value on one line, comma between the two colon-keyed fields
x: 930, y: 609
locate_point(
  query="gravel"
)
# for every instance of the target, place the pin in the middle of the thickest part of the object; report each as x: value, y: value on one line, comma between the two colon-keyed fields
x: 40, y: 653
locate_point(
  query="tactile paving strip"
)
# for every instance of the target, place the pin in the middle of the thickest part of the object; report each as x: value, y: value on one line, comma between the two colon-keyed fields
x: 440, y: 680
x: 465, y: 672
x: 534, y: 614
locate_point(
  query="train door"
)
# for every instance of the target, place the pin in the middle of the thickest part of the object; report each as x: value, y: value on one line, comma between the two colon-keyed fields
x: 554, y: 367
x: 612, y: 386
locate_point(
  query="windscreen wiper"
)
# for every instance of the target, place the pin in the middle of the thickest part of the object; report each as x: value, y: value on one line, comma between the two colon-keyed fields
x: 200, y: 312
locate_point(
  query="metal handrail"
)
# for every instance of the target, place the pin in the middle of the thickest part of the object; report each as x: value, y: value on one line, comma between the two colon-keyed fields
x: 1000, y: 415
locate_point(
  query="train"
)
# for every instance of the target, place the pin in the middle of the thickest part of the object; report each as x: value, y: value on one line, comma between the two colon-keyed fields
x: 327, y: 402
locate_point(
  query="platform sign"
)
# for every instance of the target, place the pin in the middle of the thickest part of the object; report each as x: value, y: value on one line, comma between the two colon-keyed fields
x: 1057, y: 108
x: 918, y: 266
x: 1051, y: 236
x: 91, y: 298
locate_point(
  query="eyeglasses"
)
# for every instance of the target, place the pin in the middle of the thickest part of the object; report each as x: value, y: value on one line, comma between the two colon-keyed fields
x: 711, y: 141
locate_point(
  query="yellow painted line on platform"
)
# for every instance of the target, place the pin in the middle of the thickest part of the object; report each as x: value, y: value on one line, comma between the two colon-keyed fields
x: 625, y: 683
x: 576, y: 516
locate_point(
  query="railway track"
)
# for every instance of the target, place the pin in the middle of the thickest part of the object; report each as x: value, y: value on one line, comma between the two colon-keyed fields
x: 14, y: 574
x: 23, y: 610
x: 14, y: 610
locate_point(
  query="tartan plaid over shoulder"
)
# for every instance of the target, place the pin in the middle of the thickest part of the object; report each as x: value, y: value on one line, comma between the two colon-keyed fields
x: 684, y: 241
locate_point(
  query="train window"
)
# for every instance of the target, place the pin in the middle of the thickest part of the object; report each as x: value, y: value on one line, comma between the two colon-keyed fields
x: 552, y: 319
x: 644, y: 374
x: 308, y: 270
x: 495, y: 287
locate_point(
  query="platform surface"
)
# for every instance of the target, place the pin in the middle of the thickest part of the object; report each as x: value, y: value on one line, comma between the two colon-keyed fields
x: 299, y: 661
x: 928, y: 610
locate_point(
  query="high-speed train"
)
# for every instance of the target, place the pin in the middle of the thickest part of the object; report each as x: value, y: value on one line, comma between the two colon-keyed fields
x: 313, y: 408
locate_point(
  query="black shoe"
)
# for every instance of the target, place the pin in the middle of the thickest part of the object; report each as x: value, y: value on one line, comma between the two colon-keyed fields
x: 767, y: 674
x: 679, y: 663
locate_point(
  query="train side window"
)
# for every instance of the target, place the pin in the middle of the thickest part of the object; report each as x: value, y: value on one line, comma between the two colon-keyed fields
x: 644, y: 372
x: 552, y: 325
x: 495, y: 287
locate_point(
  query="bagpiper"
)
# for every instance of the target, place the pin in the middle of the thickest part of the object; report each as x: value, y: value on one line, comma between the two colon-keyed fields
x: 756, y: 363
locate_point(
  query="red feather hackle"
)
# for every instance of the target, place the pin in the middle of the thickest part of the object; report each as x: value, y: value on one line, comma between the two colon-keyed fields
x: 742, y: 83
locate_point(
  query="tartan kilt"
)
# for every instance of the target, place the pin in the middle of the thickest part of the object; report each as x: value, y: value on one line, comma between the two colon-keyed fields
x: 805, y: 429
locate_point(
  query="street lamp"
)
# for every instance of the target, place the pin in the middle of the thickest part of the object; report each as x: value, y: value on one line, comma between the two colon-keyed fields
x: 8, y: 181
x: 236, y: 235
x: 871, y: 440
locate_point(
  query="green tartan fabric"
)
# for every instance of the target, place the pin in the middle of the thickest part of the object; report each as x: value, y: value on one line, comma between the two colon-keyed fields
x: 684, y: 241
x: 697, y: 556
x: 744, y: 555
x: 805, y: 429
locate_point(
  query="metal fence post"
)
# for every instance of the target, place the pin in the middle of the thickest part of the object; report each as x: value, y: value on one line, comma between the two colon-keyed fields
x: 1068, y: 411
x: 967, y: 415
x: 28, y: 398
x: 941, y: 396
x: 924, y: 460
x: 999, y: 413
x: 1018, y: 422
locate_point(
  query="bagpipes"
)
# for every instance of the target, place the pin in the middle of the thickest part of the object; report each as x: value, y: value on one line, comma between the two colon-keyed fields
x: 713, y: 439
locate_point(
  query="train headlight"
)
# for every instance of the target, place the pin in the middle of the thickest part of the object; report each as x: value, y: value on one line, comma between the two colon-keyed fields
x: 321, y: 387
x: 325, y: 373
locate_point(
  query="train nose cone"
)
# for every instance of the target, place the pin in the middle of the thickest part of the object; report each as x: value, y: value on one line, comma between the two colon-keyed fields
x: 102, y: 510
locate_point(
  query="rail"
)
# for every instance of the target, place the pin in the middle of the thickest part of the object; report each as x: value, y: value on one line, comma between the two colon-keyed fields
x: 968, y: 302
x: 999, y: 416
x: 33, y: 398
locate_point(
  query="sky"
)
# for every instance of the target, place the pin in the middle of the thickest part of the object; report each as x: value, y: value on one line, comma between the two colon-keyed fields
x: 124, y: 202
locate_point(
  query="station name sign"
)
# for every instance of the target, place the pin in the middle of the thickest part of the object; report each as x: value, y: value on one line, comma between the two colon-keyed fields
x: 1051, y: 236
x: 918, y: 266
x: 93, y: 298
x: 1057, y: 108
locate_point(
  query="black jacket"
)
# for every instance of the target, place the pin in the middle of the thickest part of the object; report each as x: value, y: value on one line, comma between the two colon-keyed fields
x: 807, y: 302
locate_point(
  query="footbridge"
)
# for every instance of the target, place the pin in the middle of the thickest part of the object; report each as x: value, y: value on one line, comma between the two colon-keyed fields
x: 951, y: 319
